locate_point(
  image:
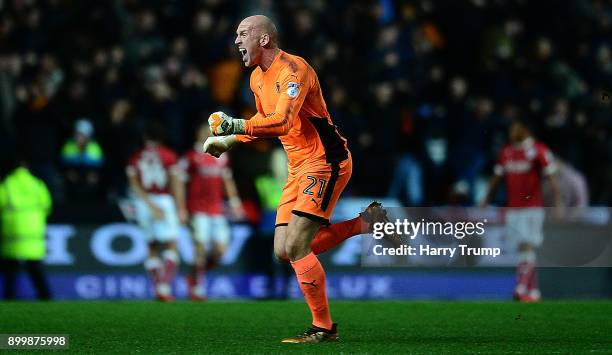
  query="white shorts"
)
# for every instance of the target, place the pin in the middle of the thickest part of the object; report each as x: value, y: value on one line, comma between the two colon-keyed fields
x: 524, y: 225
x: 160, y: 230
x: 209, y: 229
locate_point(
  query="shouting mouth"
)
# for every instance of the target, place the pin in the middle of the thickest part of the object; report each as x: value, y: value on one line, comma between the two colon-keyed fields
x: 243, y: 52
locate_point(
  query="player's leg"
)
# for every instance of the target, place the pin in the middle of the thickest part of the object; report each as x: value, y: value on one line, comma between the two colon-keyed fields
x: 292, y: 237
x: 311, y: 280
x: 201, y: 228
x: 196, y: 280
x: 535, y: 223
x: 514, y: 234
x: 280, y: 236
x: 153, y: 264
x: 330, y: 236
x: 170, y: 262
x: 517, y: 227
x: 166, y: 232
x: 281, y: 269
x: 283, y: 216
x: 221, y: 233
x: 214, y: 237
x: 38, y: 278
x: 10, y: 268
x: 525, y: 271
x: 317, y: 194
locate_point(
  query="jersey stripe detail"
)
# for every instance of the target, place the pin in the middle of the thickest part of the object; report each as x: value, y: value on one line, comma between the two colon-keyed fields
x: 331, y: 185
x: 333, y: 142
x: 277, y: 124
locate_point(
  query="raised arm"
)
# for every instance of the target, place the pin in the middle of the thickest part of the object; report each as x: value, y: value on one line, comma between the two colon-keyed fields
x: 243, y: 138
x: 295, y: 88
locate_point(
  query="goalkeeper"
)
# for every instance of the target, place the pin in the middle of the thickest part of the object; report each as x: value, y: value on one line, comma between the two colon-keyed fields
x: 290, y: 106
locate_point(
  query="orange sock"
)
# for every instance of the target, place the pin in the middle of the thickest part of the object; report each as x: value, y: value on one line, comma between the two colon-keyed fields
x: 330, y: 236
x: 311, y: 278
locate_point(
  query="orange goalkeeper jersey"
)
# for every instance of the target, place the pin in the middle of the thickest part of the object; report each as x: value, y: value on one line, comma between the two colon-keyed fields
x: 290, y: 106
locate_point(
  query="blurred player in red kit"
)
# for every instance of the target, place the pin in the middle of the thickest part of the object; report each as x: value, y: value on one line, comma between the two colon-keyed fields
x: 154, y: 177
x: 523, y: 163
x: 208, y: 179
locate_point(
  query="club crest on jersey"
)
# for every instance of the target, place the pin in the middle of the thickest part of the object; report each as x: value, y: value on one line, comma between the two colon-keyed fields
x: 277, y: 87
x: 293, y: 89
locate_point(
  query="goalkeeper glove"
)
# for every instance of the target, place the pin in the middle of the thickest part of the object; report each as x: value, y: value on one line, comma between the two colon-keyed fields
x: 216, y: 146
x: 224, y: 125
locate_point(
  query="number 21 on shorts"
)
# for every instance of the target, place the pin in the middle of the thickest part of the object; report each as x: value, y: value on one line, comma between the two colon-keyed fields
x: 314, y: 181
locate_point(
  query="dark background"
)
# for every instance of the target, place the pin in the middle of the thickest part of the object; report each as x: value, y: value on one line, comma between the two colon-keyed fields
x: 402, y: 79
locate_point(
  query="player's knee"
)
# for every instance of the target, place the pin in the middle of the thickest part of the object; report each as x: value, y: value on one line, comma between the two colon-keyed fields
x: 153, y: 248
x: 295, y: 247
x: 280, y: 254
x: 282, y: 259
x: 171, y: 255
x: 169, y: 245
x: 219, y: 251
x: 291, y: 250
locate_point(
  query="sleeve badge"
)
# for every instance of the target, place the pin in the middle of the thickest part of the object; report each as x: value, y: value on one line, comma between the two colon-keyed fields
x: 293, y: 89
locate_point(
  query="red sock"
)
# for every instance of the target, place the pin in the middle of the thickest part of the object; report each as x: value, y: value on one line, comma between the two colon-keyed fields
x: 197, y: 281
x: 330, y: 236
x: 212, y: 262
x: 196, y: 274
x: 533, y: 280
x: 524, y: 273
x: 154, y: 268
x: 311, y: 278
x: 170, y: 263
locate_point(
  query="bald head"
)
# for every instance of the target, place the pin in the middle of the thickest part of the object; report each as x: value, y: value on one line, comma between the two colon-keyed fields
x: 261, y: 25
x: 256, y: 37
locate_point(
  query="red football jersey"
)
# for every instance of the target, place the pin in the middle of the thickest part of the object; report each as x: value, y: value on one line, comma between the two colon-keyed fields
x: 153, y: 165
x: 205, y: 190
x: 523, y: 165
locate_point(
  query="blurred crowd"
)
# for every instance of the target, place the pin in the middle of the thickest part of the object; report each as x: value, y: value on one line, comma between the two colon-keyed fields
x: 423, y: 90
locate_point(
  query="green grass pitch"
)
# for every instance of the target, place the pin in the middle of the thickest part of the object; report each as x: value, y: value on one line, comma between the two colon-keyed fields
x: 374, y: 327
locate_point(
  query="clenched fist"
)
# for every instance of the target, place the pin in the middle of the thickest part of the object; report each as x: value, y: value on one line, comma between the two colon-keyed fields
x: 224, y: 125
x: 216, y: 146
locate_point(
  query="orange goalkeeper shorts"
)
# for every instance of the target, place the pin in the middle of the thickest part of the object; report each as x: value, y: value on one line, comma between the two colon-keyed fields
x: 313, y: 192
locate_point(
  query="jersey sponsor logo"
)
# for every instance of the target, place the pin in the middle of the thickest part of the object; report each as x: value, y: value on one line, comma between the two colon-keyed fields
x: 517, y: 166
x: 270, y: 114
x: 531, y: 153
x: 152, y: 171
x: 293, y: 89
x: 208, y: 171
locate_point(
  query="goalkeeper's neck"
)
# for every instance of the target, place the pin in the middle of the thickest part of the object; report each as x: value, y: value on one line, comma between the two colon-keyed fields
x: 267, y: 57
